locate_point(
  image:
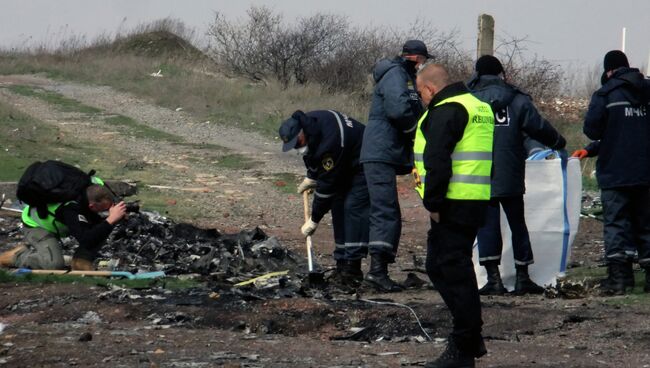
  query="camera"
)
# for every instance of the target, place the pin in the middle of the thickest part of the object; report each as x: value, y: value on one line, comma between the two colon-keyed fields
x: 132, y: 207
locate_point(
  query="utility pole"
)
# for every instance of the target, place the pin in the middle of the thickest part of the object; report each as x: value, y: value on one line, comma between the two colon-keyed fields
x: 485, y: 42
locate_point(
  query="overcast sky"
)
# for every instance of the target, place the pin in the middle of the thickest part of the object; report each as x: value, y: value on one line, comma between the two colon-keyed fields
x: 577, y: 32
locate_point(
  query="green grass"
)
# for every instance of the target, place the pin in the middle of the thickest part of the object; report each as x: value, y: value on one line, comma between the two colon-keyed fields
x: 140, y: 130
x: 61, y: 102
x: 286, y: 182
x: 24, y: 139
x: 236, y: 161
x: 170, y: 283
x: 592, y: 275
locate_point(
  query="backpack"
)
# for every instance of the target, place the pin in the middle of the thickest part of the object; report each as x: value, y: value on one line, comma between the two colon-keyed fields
x: 49, y: 182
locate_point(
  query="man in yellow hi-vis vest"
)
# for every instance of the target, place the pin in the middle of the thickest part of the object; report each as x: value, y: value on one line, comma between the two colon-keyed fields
x: 453, y: 159
x: 78, y: 219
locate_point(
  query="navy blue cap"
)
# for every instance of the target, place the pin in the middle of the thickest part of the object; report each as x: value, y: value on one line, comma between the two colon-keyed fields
x: 288, y: 132
x: 416, y: 47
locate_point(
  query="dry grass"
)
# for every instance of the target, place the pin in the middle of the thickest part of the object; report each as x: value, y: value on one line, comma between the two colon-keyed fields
x: 197, y: 87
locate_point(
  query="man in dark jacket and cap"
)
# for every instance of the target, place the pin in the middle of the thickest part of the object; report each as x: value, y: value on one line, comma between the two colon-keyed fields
x: 516, y: 120
x: 330, y: 143
x: 618, y: 118
x: 387, y: 151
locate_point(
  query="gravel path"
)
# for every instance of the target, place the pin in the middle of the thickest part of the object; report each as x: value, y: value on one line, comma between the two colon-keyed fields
x: 235, y: 199
x: 180, y: 123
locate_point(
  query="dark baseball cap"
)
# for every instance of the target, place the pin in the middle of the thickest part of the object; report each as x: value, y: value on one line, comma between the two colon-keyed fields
x: 416, y: 47
x: 288, y: 132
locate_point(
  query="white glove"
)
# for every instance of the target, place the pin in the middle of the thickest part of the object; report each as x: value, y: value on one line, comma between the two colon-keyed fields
x: 306, y: 185
x: 309, y: 228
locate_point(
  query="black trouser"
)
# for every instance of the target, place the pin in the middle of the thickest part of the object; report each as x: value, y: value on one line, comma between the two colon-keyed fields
x: 490, y: 241
x: 626, y: 217
x: 385, y: 214
x: 450, y: 268
x: 350, y: 221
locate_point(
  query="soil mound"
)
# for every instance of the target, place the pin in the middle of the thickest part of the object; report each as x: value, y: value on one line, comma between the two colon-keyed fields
x: 153, y: 44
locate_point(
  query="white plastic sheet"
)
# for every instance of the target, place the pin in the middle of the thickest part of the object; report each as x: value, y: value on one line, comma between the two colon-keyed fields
x: 552, y: 210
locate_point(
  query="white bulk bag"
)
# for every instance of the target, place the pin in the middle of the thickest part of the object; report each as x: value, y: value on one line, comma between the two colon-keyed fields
x: 552, y: 210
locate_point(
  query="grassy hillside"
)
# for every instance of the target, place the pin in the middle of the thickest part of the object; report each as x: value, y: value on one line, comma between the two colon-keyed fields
x: 189, y: 80
x: 194, y: 83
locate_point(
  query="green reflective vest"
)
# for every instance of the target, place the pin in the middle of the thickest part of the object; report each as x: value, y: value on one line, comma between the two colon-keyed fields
x: 50, y: 223
x: 471, y: 160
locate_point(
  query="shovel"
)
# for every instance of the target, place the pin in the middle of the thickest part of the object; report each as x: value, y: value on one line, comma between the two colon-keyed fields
x: 316, y: 278
x: 128, y: 275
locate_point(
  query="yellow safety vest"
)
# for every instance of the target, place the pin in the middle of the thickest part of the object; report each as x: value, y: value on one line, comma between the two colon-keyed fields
x: 471, y: 160
x: 31, y: 218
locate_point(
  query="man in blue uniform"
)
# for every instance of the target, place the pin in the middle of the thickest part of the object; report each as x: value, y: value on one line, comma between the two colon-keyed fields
x: 618, y: 117
x: 516, y: 120
x: 330, y: 143
x: 388, y: 151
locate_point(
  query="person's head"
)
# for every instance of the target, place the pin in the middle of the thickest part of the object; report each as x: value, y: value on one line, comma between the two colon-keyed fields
x: 431, y: 79
x: 613, y: 60
x: 488, y: 65
x: 100, y: 198
x: 291, y: 132
x: 416, y: 51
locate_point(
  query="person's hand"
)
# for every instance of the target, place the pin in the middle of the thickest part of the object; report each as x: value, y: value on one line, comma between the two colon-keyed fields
x: 116, y: 213
x: 581, y: 153
x: 306, y: 185
x: 309, y: 228
x: 435, y: 216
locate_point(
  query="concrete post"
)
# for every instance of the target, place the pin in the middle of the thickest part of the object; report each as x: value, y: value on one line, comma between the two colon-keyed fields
x: 485, y: 42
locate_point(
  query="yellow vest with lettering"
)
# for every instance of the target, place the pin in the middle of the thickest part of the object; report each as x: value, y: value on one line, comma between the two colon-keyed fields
x: 471, y: 160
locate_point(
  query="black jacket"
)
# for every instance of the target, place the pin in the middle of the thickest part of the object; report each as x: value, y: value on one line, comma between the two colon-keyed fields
x: 618, y: 117
x: 334, y: 144
x: 394, y: 114
x: 443, y: 129
x: 86, y: 226
x: 515, y: 119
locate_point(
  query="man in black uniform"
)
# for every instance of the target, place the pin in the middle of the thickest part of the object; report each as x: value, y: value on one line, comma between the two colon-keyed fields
x: 516, y: 120
x: 618, y: 117
x: 330, y: 142
x: 453, y: 158
x: 78, y: 219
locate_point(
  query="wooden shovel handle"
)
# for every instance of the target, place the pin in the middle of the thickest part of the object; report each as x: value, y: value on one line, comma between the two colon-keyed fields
x: 74, y: 273
x: 305, y: 202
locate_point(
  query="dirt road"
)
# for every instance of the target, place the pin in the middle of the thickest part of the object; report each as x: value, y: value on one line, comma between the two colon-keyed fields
x: 41, y: 325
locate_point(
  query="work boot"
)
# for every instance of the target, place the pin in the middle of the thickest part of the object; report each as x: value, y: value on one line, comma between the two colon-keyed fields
x: 452, y: 357
x: 646, y: 287
x: 628, y: 275
x: 377, y: 276
x: 80, y: 264
x: 614, y: 284
x: 8, y: 258
x: 351, y: 272
x: 494, y: 284
x: 523, y: 284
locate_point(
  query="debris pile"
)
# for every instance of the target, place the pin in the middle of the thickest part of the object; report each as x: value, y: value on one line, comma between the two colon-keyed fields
x: 147, y: 241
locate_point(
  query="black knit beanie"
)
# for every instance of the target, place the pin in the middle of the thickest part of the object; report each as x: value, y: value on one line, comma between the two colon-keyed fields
x: 488, y: 65
x: 615, y: 59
